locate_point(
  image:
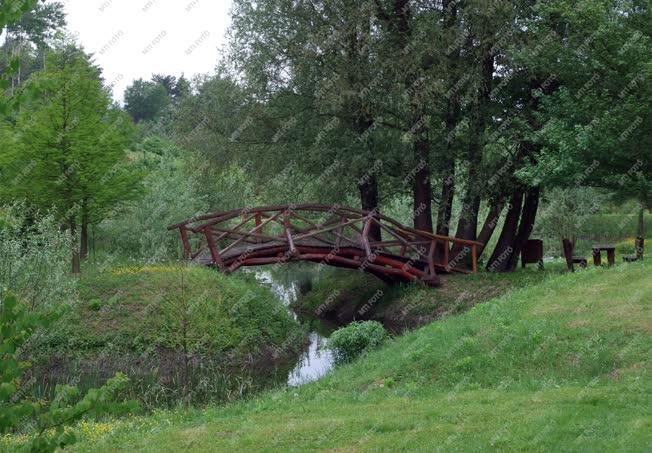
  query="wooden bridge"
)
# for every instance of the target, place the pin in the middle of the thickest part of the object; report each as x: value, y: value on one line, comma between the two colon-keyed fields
x: 333, y: 235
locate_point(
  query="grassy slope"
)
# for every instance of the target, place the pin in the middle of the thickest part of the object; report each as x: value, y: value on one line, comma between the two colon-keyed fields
x: 137, y: 308
x: 562, y: 365
x: 413, y: 305
x: 133, y: 319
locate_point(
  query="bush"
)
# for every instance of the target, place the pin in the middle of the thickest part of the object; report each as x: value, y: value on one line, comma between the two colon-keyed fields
x: 139, y: 229
x: 20, y: 411
x: 355, y: 339
x: 35, y: 258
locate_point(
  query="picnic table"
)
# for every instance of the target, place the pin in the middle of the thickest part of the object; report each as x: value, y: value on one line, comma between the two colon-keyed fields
x: 611, y: 254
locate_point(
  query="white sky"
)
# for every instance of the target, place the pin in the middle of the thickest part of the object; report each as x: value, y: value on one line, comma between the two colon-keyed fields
x: 133, y: 39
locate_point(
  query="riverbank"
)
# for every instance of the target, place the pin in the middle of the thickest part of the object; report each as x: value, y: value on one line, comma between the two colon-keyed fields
x: 563, y: 364
x: 344, y: 296
x: 181, y: 333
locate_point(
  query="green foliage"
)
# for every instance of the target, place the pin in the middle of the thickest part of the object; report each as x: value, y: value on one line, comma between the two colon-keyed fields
x: 567, y: 213
x: 356, y: 339
x: 597, y: 122
x: 34, y: 258
x: 69, y: 153
x: 145, y: 100
x: 68, y: 406
x: 11, y: 12
x: 38, y: 24
x: 177, y: 89
x: 139, y: 228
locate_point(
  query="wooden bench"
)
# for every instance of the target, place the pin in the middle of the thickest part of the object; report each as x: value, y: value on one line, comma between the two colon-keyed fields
x: 638, y: 255
x: 571, y: 260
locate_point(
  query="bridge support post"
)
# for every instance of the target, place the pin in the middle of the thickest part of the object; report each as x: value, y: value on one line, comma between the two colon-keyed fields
x: 183, y: 231
x: 215, y: 255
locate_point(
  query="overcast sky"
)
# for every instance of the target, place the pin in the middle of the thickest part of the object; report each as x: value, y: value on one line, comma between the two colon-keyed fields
x: 135, y: 38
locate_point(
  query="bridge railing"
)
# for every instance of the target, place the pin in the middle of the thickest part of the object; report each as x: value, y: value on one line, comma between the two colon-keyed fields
x: 299, y: 231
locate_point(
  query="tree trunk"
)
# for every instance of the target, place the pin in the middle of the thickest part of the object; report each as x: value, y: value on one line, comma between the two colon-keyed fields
x: 528, y: 217
x: 500, y: 258
x: 76, y: 269
x: 641, y: 222
x: 422, y: 187
x: 445, y: 210
x: 368, y: 187
x: 399, y: 19
x: 83, y: 246
x: 490, y: 224
x: 468, y: 221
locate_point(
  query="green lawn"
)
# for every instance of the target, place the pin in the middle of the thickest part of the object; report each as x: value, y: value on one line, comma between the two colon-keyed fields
x: 559, y: 366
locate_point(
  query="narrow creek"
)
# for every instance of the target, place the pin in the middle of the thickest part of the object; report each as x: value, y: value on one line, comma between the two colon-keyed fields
x: 315, y: 361
x: 156, y: 376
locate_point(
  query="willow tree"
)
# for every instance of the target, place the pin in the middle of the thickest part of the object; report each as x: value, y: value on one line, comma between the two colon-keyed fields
x: 598, y: 122
x: 322, y: 60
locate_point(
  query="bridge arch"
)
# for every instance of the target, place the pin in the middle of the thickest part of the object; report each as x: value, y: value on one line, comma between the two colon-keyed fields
x: 333, y: 235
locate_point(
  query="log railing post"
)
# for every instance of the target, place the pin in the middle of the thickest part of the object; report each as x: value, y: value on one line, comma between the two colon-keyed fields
x: 474, y: 258
x: 288, y: 235
x: 431, y: 257
x: 259, y: 225
x: 340, y: 232
x: 215, y: 254
x: 184, y: 240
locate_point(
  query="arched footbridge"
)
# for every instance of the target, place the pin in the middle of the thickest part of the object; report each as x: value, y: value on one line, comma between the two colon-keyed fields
x: 332, y: 235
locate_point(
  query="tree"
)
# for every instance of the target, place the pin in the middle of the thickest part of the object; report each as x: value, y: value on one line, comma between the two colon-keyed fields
x: 177, y: 89
x: 10, y: 12
x: 596, y: 130
x: 70, y: 147
x: 145, y: 100
x: 33, y: 30
x: 332, y: 95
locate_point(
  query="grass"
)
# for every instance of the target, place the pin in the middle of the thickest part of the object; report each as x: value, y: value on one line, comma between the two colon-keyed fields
x: 354, y: 295
x: 180, y: 333
x: 558, y: 366
x: 138, y: 307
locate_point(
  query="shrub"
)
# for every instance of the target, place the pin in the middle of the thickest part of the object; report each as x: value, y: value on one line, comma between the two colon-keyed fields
x: 35, y: 258
x: 19, y: 411
x: 355, y: 339
x: 139, y: 228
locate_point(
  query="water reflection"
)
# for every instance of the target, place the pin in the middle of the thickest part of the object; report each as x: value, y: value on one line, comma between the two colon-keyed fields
x: 316, y: 361
x: 313, y: 364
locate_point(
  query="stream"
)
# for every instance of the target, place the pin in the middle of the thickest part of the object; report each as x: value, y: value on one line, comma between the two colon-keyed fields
x: 315, y: 361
